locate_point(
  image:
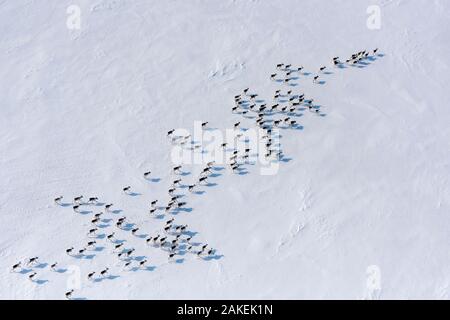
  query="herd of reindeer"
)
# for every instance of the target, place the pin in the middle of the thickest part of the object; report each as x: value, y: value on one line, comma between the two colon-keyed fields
x: 176, y: 239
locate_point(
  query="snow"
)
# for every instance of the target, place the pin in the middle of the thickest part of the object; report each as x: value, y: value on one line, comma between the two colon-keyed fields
x: 86, y: 112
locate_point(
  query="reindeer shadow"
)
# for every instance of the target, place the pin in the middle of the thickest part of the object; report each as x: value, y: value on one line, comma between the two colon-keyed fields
x: 213, y: 257
x: 25, y: 271
x: 242, y: 172
x: 99, y: 249
x: 116, y: 211
x: 103, y: 226
x: 185, y: 173
x: 110, y: 277
x: 190, y: 234
x: 128, y: 227
x: 298, y: 127
x: 85, y: 212
x: 61, y: 270
x: 149, y: 268
x: 41, y: 282
x: 139, y: 258
x: 321, y: 83
x: 134, y: 194
x: 142, y: 236
x: 41, y: 265
x: 199, y: 192
x: 211, y: 184
x: 182, y: 210
x: 66, y: 204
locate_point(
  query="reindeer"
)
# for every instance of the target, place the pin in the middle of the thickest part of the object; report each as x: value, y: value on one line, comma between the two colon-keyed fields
x: 127, y: 264
x: 108, y: 206
x: 142, y: 263
x: 315, y: 79
x: 58, y: 200
x: 167, y: 228
x: 170, y: 132
x: 104, y: 272
x: 98, y: 215
x: 272, y: 76
x: 176, y: 182
x: 69, y: 251
x: 78, y: 199
x: 53, y: 266
x: 110, y: 236
x: 32, y: 261
x: 146, y: 174
x: 90, y: 276
x: 92, y: 232
x: 32, y: 276
x: 129, y: 252
x: 126, y: 190
x: 204, y: 124
x: 75, y: 208
x: 16, y: 266
x: 93, y: 200
x: 69, y: 294
x: 153, y: 203
x: 322, y: 68
x: 133, y: 231
x: 91, y: 244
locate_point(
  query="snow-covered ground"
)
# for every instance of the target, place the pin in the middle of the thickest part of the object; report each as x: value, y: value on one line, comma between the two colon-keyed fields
x: 360, y: 202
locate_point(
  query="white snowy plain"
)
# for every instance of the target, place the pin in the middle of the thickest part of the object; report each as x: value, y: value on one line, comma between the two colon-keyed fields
x: 86, y: 112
